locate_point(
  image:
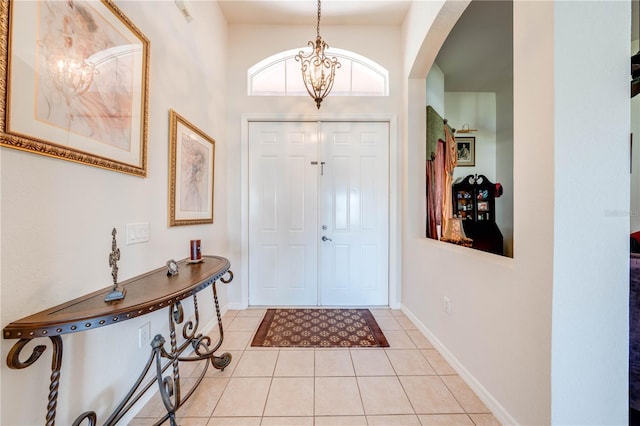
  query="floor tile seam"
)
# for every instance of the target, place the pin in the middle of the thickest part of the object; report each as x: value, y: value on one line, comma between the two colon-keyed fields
x: 275, y: 364
x: 423, y: 357
x: 364, y: 411
x: 224, y: 388
x: 453, y: 394
x: 399, y: 382
x: 414, y: 408
x: 391, y: 363
x: 266, y: 399
x: 314, y: 388
x: 355, y: 374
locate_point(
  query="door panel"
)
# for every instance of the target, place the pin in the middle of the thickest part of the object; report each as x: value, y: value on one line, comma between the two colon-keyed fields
x: 354, y: 207
x: 283, y: 214
x: 293, y: 203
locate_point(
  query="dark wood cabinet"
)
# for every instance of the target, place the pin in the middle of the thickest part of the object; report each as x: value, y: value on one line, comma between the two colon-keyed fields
x: 474, y: 201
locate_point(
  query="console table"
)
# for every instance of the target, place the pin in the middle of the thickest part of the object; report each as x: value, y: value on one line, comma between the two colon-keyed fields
x: 146, y: 293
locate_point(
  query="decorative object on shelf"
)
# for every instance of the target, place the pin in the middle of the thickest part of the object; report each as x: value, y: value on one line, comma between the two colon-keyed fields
x: 466, y: 148
x: 191, y: 167
x: 172, y: 267
x: 82, y: 69
x: 195, y: 253
x: 114, y: 256
x: 465, y: 129
x: 454, y: 233
x: 318, y: 70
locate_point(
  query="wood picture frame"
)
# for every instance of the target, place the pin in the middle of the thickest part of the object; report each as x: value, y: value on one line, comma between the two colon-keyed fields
x: 466, y: 151
x: 74, y: 83
x: 191, y: 173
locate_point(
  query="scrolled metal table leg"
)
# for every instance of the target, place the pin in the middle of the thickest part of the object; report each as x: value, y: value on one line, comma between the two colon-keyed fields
x: 13, y: 361
x: 220, y: 362
x: 56, y: 366
x: 13, y: 358
x: 87, y: 415
x: 165, y: 384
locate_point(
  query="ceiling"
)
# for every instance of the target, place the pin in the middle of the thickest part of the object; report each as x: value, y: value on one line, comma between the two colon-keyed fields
x: 304, y: 12
x: 475, y: 56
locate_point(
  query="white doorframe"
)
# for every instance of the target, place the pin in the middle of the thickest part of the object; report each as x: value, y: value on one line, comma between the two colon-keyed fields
x: 394, y: 196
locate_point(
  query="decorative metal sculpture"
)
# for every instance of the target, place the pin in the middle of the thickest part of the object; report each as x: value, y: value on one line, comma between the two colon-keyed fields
x: 114, y: 256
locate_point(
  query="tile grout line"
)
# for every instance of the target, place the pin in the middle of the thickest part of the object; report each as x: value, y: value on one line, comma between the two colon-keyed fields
x: 367, y: 418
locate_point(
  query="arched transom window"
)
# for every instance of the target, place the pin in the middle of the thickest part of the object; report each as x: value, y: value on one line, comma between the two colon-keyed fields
x: 279, y: 75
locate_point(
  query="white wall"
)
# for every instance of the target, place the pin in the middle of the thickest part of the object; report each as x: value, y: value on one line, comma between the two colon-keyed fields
x: 504, y: 163
x: 435, y: 89
x: 499, y: 335
x: 591, y: 283
x: 478, y: 110
x: 57, y: 218
x: 379, y: 44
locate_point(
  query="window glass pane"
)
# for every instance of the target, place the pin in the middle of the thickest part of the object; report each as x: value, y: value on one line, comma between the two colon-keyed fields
x: 279, y: 75
x: 295, y: 85
x: 366, y: 82
x: 269, y: 82
x: 342, y: 80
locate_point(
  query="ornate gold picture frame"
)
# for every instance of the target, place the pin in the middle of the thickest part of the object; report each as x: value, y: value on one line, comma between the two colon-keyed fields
x: 74, y: 83
x: 191, y: 173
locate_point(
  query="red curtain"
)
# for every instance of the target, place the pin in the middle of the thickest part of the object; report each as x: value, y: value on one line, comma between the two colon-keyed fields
x: 434, y: 187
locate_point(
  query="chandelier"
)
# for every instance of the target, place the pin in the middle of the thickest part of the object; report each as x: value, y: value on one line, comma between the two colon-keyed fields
x: 318, y: 70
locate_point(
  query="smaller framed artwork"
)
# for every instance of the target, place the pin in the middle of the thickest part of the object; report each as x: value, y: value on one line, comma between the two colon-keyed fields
x: 466, y: 151
x: 191, y: 173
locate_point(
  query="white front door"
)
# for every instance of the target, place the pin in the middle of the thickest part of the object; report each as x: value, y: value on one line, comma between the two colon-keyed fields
x: 283, y: 213
x: 310, y: 180
x: 355, y: 212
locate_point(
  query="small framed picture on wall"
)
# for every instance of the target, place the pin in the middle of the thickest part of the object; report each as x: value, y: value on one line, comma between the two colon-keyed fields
x: 466, y: 151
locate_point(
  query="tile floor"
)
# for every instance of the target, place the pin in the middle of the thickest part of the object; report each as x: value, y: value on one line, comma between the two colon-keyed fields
x: 408, y: 383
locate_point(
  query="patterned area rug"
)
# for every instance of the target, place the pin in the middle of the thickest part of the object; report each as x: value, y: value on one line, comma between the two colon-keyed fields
x: 319, y: 328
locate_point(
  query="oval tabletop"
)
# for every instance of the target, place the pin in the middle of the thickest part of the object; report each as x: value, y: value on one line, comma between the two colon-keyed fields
x: 144, y: 294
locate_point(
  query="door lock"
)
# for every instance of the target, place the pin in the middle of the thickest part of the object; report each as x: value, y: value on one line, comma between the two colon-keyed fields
x: 324, y: 238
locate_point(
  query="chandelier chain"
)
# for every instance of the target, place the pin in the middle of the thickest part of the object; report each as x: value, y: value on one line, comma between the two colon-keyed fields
x: 318, y: 25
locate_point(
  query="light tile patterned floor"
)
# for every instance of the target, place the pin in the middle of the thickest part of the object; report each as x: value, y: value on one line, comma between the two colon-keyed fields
x: 408, y: 383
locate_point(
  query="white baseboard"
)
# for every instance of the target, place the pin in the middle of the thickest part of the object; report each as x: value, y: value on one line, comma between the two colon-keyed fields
x: 236, y: 306
x: 485, y: 396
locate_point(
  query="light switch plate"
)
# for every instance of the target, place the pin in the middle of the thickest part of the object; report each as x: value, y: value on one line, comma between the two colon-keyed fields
x: 137, y: 232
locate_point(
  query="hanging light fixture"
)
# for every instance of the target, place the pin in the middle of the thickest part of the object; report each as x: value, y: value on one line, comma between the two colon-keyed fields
x: 318, y: 70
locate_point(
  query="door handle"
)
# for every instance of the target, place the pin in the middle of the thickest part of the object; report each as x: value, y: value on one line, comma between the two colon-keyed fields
x: 324, y: 238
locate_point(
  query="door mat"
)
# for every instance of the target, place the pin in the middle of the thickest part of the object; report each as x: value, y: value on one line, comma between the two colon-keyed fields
x: 315, y: 328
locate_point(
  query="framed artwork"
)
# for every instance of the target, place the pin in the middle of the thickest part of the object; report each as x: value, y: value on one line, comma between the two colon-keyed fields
x: 191, y: 172
x: 466, y: 149
x: 74, y: 83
